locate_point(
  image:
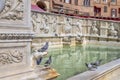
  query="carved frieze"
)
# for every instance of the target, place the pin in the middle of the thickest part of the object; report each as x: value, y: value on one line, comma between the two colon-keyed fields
x: 10, y: 56
x: 15, y: 13
x: 11, y: 9
x: 41, y: 23
x: 15, y: 36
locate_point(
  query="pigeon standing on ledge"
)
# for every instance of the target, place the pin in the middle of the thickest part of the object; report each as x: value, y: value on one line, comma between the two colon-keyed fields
x: 38, y: 61
x: 44, y: 48
x: 97, y: 63
x: 48, y: 62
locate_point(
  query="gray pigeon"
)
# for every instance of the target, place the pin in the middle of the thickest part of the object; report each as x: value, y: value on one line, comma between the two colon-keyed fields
x: 44, y: 48
x: 48, y: 62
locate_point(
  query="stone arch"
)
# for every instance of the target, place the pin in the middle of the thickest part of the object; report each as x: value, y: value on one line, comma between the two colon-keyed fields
x: 41, y: 5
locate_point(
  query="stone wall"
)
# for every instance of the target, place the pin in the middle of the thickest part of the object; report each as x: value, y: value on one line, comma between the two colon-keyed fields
x: 55, y: 25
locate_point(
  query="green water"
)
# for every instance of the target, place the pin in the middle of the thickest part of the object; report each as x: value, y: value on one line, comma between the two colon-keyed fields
x: 70, y: 61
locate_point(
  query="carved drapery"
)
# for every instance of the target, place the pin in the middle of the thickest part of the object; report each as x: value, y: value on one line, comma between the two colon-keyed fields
x: 11, y: 56
x: 11, y: 9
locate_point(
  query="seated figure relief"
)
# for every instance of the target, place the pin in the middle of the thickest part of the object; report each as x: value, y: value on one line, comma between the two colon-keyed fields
x: 111, y: 31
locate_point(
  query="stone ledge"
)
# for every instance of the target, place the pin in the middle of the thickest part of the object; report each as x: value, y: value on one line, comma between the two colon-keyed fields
x: 101, y: 71
x: 14, y: 36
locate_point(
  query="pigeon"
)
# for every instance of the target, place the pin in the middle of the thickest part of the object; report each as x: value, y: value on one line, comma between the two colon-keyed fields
x: 61, y: 10
x: 97, y: 63
x: 56, y: 35
x: 90, y: 66
x: 48, y: 62
x: 38, y: 61
x: 44, y: 48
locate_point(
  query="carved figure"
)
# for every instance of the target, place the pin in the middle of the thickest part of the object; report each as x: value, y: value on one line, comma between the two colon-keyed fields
x: 94, y: 30
x: 38, y: 55
x: 111, y: 31
x: 79, y: 28
x: 68, y: 26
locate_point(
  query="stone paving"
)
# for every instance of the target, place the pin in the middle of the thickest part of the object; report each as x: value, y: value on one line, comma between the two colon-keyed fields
x: 101, y: 71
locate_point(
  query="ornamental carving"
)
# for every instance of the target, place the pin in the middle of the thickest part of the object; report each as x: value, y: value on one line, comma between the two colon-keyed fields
x: 111, y: 31
x: 79, y: 27
x: 68, y: 26
x: 11, y: 9
x: 15, y: 36
x: 11, y: 56
x: 40, y: 23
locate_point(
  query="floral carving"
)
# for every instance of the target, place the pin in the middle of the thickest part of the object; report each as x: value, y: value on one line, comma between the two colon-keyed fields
x: 11, y: 56
x: 13, y: 10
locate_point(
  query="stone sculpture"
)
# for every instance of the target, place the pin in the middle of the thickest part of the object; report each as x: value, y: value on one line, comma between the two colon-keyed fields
x: 68, y: 26
x: 36, y: 55
x: 94, y: 30
x: 79, y: 27
x: 111, y: 31
x: 11, y: 9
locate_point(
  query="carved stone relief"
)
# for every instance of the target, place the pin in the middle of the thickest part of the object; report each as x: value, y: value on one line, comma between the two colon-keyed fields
x: 11, y: 56
x: 40, y: 23
x: 79, y: 27
x: 94, y: 30
x: 11, y: 10
x: 15, y: 36
x: 54, y: 23
x: 68, y: 26
x: 111, y: 31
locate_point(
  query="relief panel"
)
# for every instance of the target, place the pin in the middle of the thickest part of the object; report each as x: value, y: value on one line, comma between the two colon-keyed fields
x: 14, y: 12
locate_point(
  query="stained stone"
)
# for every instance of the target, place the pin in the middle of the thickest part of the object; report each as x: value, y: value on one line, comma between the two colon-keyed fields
x: 2, y: 5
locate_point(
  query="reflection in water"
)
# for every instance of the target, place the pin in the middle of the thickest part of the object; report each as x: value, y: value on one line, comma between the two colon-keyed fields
x: 69, y: 61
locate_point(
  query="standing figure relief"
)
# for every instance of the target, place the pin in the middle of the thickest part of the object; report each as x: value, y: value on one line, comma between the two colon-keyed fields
x: 94, y: 30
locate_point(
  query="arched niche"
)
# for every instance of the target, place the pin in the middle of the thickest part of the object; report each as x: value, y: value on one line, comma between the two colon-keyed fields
x: 41, y: 5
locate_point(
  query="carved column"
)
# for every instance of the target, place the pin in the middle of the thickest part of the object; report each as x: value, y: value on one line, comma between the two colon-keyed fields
x: 15, y: 39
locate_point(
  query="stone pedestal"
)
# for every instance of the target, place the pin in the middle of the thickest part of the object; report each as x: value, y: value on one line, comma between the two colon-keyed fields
x: 15, y: 39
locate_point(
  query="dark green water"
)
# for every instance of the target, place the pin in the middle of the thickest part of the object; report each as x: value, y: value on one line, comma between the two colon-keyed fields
x: 70, y: 61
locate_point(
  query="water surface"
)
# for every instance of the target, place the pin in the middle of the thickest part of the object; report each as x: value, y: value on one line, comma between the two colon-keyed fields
x: 70, y: 61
